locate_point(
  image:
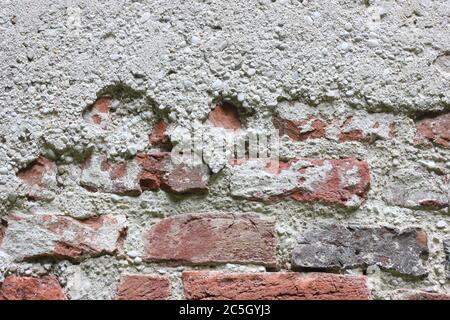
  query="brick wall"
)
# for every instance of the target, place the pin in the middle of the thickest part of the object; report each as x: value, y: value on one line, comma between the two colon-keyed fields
x: 262, y: 239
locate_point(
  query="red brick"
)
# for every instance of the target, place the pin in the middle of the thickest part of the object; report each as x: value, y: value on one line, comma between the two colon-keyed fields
x: 203, y: 285
x: 158, y: 172
x: 365, y: 129
x: 39, y: 177
x: 336, y: 181
x: 225, y: 116
x: 27, y: 288
x: 212, y: 238
x: 143, y: 287
x: 148, y: 171
x: 99, y: 113
x: 153, y: 168
x: 31, y: 236
x: 336, y: 188
x: 296, y: 129
x: 434, y: 131
x: 159, y: 135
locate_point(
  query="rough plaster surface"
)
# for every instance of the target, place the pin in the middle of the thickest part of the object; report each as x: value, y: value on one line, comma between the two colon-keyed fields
x: 271, y: 57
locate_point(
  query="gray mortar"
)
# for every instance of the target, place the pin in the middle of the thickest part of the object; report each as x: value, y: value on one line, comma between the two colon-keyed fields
x: 56, y: 56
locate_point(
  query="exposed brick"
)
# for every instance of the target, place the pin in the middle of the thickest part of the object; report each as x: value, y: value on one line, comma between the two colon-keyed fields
x: 159, y: 136
x: 225, y: 116
x: 98, y: 174
x: 310, y: 128
x: 416, y: 188
x: 27, y: 288
x: 340, y: 247
x: 158, y: 172
x: 447, y: 256
x: 143, y: 287
x: 434, y: 131
x: 365, y: 128
x: 149, y: 171
x: 153, y: 168
x: 341, y: 181
x: 203, y: 285
x: 99, y: 113
x: 45, y: 235
x: 39, y: 177
x: 421, y: 295
x: 212, y: 238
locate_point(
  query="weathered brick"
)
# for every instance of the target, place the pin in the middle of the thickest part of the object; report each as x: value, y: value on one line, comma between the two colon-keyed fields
x: 365, y: 128
x: 99, y: 113
x: 98, y: 174
x: 203, y: 285
x: 39, y: 177
x: 225, y: 116
x: 39, y: 235
x: 300, y: 130
x: 187, y: 179
x: 159, y: 135
x: 422, y: 295
x: 447, y: 256
x: 28, y: 288
x: 143, y: 287
x: 212, y: 238
x: 434, y: 131
x: 332, y: 246
x: 159, y: 172
x: 417, y: 189
x: 153, y: 168
x: 337, y: 181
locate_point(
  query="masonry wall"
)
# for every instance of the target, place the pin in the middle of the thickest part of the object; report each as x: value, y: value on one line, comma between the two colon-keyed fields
x: 348, y: 200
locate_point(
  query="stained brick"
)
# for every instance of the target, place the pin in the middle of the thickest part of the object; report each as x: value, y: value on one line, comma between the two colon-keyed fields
x: 338, y: 247
x: 212, y: 238
x: 28, y: 288
x: 143, y: 287
x: 45, y: 235
x: 203, y: 285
